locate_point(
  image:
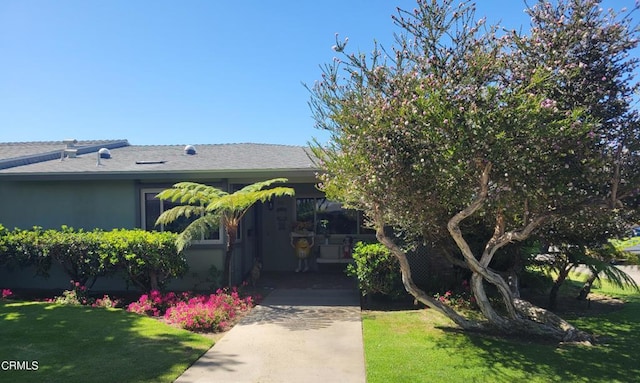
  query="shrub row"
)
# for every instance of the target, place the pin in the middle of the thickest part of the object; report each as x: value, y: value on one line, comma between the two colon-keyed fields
x: 147, y: 259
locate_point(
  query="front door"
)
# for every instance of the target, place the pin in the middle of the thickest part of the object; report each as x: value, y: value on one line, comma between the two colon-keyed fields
x: 276, y: 224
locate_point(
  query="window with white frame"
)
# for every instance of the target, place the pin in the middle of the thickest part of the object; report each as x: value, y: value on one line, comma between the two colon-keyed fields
x: 328, y: 217
x: 152, y: 207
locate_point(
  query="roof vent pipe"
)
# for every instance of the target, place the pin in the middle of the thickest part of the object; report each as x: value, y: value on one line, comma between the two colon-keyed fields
x: 104, y: 153
x: 190, y: 150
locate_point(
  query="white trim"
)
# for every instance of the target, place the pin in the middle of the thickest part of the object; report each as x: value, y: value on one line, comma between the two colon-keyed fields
x: 143, y: 218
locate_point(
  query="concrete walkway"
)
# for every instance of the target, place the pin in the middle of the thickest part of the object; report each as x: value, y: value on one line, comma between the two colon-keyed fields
x: 294, y: 335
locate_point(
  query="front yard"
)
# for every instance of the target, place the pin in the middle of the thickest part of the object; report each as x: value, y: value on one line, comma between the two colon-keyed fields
x: 422, y: 346
x: 81, y: 343
x: 73, y: 343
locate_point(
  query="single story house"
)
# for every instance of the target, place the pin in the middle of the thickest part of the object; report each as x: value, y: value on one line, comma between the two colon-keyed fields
x: 111, y: 184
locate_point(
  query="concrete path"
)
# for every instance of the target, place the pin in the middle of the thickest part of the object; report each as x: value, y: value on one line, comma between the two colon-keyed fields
x: 633, y: 271
x: 294, y: 335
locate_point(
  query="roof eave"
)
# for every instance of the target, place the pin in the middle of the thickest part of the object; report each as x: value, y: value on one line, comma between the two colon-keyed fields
x: 297, y: 173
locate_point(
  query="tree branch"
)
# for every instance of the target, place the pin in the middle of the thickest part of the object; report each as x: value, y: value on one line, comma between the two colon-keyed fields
x: 411, y: 287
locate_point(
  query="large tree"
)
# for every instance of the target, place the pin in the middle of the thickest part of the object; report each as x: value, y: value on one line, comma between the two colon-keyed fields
x: 208, y: 207
x: 448, y: 131
x: 585, y: 49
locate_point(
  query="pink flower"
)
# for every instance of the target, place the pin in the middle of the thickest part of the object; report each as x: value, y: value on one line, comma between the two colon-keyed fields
x: 547, y: 103
x: 213, y: 312
x: 6, y: 293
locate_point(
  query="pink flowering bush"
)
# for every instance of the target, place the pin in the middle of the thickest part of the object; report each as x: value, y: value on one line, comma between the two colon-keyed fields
x: 106, y: 302
x: 6, y: 293
x: 214, y: 312
x: 78, y: 295
x: 155, y: 304
x: 463, y: 299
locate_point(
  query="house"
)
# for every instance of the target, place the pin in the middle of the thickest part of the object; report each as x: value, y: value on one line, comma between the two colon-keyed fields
x: 111, y: 184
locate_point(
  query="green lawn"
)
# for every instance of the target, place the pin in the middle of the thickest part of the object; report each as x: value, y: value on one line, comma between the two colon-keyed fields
x: 82, y: 344
x: 422, y: 346
x: 625, y: 243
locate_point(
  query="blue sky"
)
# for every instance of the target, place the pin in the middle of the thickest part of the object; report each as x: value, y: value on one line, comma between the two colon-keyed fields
x: 180, y: 72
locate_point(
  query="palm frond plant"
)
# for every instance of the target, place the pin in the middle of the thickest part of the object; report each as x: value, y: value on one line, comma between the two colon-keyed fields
x: 210, y: 207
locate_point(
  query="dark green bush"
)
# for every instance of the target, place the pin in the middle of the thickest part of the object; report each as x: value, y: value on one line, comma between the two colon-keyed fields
x: 23, y: 248
x: 78, y: 252
x: 148, y: 259
x: 378, y: 271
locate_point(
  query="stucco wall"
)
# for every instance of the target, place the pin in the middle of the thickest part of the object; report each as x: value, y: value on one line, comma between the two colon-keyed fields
x: 79, y: 204
x: 109, y: 204
x: 198, y: 277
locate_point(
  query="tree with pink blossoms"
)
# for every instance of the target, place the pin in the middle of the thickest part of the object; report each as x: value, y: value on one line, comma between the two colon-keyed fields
x: 467, y: 137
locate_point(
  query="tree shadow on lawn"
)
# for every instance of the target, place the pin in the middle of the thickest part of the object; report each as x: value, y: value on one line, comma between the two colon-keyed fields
x: 614, y: 358
x: 79, y: 344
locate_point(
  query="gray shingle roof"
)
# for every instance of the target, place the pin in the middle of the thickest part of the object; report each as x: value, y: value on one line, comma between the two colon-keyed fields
x: 219, y: 158
x: 13, y: 154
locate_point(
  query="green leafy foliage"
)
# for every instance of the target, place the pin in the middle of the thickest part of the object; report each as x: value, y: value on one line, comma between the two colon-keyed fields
x: 78, y: 252
x: 210, y: 205
x: 22, y: 248
x: 147, y: 259
x: 150, y: 259
x: 377, y: 270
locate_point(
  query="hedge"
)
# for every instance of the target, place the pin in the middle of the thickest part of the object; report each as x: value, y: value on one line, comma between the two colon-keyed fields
x: 148, y: 259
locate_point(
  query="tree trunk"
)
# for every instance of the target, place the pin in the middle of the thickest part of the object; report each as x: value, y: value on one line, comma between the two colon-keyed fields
x: 231, y: 230
x: 419, y: 294
x: 553, y: 294
x: 521, y: 316
x: 586, y: 288
x: 226, y: 274
x: 514, y: 272
x: 153, y: 280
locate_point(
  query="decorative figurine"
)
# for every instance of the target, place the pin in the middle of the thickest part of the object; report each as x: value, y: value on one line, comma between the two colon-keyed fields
x: 347, y: 247
x: 302, y: 248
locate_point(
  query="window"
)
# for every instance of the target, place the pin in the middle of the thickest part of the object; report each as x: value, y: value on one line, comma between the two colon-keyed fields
x: 328, y: 217
x: 152, y: 207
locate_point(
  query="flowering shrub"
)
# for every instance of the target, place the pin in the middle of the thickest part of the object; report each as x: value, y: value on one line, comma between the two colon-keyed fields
x: 6, y: 293
x: 106, y: 302
x: 462, y: 300
x: 214, y: 312
x: 79, y: 295
x: 76, y: 296
x: 155, y: 304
